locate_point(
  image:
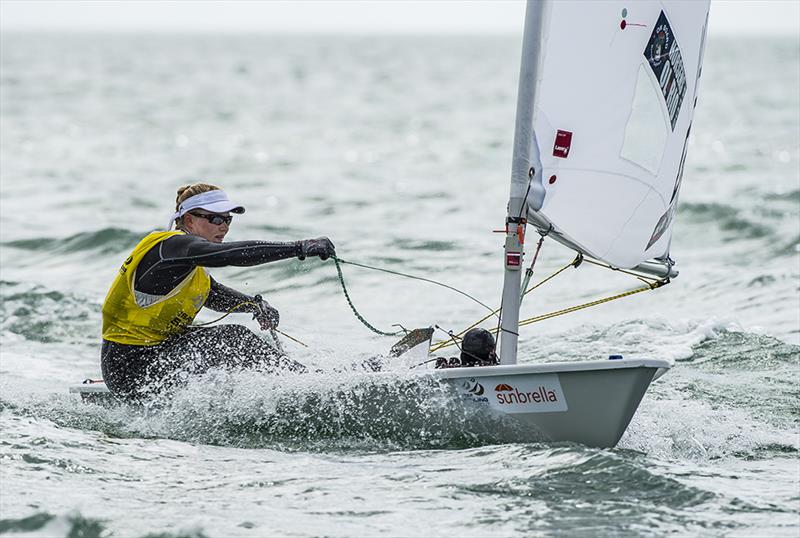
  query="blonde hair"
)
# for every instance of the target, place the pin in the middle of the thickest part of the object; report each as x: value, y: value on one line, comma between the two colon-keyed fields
x: 187, y: 191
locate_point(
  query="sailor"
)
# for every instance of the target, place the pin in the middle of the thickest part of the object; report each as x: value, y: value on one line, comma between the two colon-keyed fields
x: 148, y: 342
x: 477, y: 349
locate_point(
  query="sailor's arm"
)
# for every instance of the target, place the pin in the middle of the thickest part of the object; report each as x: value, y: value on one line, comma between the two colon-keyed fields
x: 168, y: 263
x: 223, y: 299
x: 198, y: 251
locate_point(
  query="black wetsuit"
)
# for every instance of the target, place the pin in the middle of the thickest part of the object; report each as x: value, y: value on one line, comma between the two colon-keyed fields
x: 134, y: 372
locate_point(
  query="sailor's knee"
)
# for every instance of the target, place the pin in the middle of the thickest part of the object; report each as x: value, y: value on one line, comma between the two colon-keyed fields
x: 239, y: 331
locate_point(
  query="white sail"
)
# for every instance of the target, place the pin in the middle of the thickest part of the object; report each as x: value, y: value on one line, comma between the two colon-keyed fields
x: 615, y: 92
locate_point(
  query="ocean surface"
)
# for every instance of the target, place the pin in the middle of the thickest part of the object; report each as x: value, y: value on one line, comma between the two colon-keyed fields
x: 399, y: 150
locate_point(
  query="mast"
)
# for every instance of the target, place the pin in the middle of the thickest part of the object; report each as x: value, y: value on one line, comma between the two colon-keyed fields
x: 525, y: 180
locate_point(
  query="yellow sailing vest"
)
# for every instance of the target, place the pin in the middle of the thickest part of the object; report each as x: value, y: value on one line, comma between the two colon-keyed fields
x: 125, y: 322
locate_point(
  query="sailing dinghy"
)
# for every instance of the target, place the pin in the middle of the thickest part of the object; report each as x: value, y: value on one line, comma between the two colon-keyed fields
x: 607, y: 93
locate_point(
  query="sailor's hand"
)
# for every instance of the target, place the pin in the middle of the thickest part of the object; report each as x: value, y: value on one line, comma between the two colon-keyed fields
x: 267, y: 316
x: 321, y: 246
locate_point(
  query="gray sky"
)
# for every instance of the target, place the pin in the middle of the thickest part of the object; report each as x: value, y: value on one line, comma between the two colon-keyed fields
x: 352, y: 16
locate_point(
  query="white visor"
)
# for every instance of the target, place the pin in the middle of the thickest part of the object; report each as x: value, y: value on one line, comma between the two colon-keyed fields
x: 215, y: 201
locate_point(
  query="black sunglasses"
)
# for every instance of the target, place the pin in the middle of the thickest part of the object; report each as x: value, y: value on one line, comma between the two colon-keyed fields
x: 216, y: 220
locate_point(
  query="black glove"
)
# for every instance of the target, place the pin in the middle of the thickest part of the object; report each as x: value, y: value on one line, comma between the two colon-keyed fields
x: 321, y: 246
x: 267, y: 316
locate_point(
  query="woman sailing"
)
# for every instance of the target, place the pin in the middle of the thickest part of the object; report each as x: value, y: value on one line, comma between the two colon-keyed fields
x: 148, y: 343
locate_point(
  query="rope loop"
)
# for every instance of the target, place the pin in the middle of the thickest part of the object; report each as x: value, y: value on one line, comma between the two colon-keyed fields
x: 226, y: 314
x: 360, y: 318
x: 237, y: 307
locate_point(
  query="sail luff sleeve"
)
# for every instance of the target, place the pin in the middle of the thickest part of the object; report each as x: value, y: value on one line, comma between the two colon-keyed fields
x: 526, y: 149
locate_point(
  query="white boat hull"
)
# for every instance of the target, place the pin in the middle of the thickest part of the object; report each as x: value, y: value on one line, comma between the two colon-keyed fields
x: 584, y: 402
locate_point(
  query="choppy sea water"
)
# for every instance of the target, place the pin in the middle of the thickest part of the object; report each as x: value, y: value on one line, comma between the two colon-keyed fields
x: 399, y: 150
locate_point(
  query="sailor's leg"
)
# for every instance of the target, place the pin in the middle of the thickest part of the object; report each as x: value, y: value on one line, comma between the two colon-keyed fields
x: 227, y: 346
x: 123, y: 371
x: 134, y: 373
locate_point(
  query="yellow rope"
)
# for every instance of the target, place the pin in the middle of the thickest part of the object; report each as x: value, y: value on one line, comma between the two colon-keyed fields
x: 637, y: 275
x: 534, y: 319
x: 651, y: 285
x: 445, y: 343
x: 237, y: 307
x: 548, y: 278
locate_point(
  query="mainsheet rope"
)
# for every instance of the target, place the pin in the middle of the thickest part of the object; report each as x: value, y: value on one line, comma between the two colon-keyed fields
x: 339, y: 261
x: 358, y: 316
x: 650, y: 284
x: 237, y: 307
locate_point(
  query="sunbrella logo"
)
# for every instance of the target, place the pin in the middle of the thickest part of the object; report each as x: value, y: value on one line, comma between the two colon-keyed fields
x: 508, y: 395
x: 526, y: 393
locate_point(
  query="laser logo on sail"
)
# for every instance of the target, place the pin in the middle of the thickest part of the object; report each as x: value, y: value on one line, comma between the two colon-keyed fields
x: 562, y: 144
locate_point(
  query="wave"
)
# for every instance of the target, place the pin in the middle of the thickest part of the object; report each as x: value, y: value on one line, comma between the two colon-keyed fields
x: 788, y: 196
x: 45, y: 315
x: 72, y: 525
x: 318, y: 412
x: 105, y: 241
x: 728, y: 218
x: 670, y: 339
x: 727, y: 350
x: 431, y: 245
x: 766, y: 222
x: 752, y: 372
x: 46, y: 524
x: 646, y: 497
x: 788, y: 248
x: 735, y: 396
x: 676, y: 423
x: 586, y: 482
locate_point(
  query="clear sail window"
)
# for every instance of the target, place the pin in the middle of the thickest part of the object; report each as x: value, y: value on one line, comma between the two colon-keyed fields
x: 646, y: 131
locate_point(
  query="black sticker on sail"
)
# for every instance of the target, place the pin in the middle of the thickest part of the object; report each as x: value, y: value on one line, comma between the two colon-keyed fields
x: 666, y: 218
x: 662, y: 225
x: 664, y: 56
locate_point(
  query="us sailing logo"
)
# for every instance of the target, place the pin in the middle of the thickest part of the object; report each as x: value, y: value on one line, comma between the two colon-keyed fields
x: 473, y: 387
x: 664, y: 56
